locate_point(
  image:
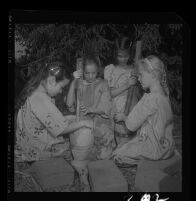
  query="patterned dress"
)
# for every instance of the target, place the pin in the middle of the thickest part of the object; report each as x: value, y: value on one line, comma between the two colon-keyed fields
x: 97, y: 95
x: 39, y: 122
x: 117, y: 77
x: 152, y: 117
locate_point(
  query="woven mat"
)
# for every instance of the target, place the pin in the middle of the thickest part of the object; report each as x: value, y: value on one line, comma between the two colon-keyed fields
x: 25, y: 184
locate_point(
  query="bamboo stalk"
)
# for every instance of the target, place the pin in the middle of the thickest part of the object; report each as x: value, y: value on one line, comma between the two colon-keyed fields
x: 78, y: 107
x: 132, y: 90
x: 138, y: 50
x: 78, y: 67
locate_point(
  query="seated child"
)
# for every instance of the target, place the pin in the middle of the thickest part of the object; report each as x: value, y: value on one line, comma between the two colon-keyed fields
x: 151, y: 117
x: 40, y: 126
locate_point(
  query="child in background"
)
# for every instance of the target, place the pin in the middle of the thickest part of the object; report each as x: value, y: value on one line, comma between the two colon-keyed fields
x: 120, y: 78
x: 151, y: 116
x: 40, y: 126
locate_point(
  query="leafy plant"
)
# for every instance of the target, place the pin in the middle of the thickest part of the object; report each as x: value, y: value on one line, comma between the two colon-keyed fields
x: 46, y: 42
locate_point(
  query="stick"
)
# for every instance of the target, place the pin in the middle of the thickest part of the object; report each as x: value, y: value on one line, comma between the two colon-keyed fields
x: 132, y: 90
x: 78, y: 67
x: 138, y: 50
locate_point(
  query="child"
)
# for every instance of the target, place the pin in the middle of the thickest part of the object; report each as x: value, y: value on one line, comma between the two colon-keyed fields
x: 151, y: 116
x: 95, y: 104
x: 120, y: 78
x: 39, y: 124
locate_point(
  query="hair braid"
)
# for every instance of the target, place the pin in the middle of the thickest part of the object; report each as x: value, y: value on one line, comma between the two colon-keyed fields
x: 164, y: 82
x: 154, y: 63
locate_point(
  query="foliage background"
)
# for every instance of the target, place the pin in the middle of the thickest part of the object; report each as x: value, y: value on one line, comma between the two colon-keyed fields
x: 46, y: 42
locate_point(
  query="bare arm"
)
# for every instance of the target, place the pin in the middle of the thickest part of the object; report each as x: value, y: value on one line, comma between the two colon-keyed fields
x: 115, y: 92
x: 77, y: 125
x: 71, y: 128
x: 118, y: 91
x: 71, y: 95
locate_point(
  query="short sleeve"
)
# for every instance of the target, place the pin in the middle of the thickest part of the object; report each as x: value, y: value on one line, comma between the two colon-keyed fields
x: 48, y: 114
x: 107, y: 72
x: 143, y: 109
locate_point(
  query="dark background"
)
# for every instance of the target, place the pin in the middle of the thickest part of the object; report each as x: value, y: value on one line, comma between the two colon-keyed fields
x: 68, y: 35
x: 167, y: 39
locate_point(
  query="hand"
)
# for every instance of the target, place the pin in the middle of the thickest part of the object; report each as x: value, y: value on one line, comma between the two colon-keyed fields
x: 59, y: 149
x: 108, y: 137
x: 87, y: 124
x: 53, y: 100
x: 57, y: 153
x: 132, y: 81
x: 60, y: 139
x: 77, y: 74
x: 164, y: 142
x: 119, y: 117
x: 85, y: 110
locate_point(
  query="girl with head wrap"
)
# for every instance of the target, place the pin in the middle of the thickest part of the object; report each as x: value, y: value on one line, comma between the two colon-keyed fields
x: 123, y: 86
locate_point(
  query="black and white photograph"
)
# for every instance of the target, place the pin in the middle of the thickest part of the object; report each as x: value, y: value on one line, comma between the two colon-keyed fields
x: 97, y: 103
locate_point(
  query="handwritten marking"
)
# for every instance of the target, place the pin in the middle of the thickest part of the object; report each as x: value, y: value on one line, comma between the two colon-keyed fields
x: 147, y: 197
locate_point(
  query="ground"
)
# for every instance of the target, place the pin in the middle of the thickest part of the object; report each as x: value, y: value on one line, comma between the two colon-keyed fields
x: 25, y: 184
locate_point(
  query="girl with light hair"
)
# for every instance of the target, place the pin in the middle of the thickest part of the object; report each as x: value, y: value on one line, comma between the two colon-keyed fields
x: 151, y: 117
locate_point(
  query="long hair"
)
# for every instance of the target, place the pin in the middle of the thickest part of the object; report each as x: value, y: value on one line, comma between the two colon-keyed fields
x: 56, y: 69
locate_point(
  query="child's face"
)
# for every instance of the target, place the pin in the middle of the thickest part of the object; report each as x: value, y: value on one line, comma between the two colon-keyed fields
x: 90, y: 72
x: 54, y: 88
x: 122, y: 57
x: 145, y: 78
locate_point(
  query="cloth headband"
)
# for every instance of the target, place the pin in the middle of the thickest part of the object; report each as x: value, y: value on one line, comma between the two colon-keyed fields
x: 55, y: 69
x: 164, y: 77
x: 149, y: 64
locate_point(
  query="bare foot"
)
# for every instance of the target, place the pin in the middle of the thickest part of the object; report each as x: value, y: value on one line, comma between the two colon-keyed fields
x: 84, y: 187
